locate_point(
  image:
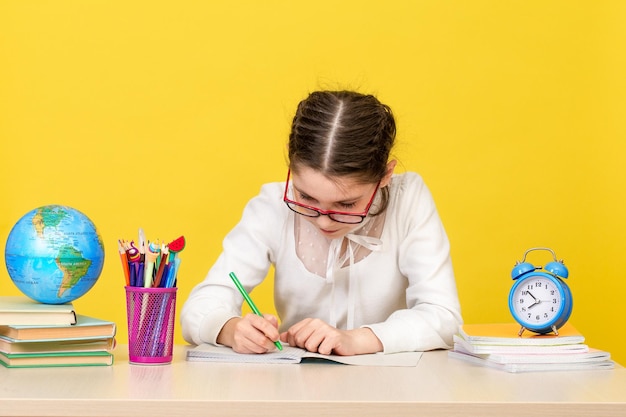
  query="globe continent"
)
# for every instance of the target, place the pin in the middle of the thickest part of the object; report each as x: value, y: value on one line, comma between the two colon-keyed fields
x: 54, y: 254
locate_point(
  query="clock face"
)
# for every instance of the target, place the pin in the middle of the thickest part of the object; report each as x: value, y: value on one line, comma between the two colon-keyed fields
x: 538, y: 301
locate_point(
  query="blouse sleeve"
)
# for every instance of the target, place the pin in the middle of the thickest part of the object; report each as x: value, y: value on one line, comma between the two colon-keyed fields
x: 433, y: 313
x: 248, y: 250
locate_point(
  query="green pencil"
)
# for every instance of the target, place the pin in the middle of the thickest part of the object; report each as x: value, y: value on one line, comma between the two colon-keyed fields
x: 245, y: 295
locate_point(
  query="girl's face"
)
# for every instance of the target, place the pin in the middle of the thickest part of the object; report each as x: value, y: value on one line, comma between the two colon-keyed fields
x: 340, y: 194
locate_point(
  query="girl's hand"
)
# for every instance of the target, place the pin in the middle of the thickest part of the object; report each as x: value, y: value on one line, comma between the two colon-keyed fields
x: 250, y: 334
x: 315, y: 335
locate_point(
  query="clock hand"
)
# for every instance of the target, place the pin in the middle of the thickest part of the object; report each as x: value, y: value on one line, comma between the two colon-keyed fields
x: 534, y: 298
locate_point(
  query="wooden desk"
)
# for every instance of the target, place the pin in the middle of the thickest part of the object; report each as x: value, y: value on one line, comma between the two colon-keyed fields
x: 438, y: 386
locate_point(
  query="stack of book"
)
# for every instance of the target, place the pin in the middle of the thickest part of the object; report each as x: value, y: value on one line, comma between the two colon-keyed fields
x: 39, y: 335
x: 499, y: 346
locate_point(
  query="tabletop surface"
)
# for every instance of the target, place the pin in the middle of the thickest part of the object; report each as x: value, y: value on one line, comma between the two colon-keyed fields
x: 438, y: 386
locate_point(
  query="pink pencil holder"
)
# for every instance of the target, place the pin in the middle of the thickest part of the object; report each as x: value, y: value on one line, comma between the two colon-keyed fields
x: 150, y: 314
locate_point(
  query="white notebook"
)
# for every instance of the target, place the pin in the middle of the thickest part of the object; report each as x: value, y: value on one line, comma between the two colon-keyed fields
x: 593, y: 363
x: 294, y: 355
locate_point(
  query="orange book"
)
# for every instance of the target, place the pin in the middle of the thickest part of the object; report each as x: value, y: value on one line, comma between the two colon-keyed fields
x: 86, y: 327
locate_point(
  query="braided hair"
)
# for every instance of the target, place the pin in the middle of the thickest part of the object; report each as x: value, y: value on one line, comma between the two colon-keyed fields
x: 343, y: 133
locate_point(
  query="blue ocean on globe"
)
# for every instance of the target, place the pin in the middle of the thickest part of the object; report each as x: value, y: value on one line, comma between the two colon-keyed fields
x: 54, y: 254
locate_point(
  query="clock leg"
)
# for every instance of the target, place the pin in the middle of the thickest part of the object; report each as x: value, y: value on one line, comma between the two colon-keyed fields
x: 556, y: 332
x: 521, y: 330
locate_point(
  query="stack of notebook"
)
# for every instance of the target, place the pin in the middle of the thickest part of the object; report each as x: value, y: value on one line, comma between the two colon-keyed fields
x: 38, y: 335
x: 499, y: 346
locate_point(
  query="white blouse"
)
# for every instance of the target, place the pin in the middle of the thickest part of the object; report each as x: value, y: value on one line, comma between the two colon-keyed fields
x: 391, y: 273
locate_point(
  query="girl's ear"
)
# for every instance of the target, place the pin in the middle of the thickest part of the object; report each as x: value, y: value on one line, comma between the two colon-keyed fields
x: 391, y: 165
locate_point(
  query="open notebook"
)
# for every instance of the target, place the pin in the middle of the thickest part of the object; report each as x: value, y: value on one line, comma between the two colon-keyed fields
x: 290, y: 354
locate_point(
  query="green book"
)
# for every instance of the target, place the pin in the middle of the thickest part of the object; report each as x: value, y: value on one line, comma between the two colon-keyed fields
x: 40, y: 360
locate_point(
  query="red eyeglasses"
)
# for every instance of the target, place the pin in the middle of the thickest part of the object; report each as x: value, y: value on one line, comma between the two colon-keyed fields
x: 338, y: 216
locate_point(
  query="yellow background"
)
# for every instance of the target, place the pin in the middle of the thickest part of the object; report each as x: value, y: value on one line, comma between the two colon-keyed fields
x: 170, y: 115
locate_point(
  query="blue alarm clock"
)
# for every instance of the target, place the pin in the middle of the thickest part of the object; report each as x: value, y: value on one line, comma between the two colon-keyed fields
x: 540, y: 300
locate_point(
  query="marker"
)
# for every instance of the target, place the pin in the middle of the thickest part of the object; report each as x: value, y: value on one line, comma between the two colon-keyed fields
x: 135, y: 265
x: 155, y: 247
x: 172, y: 274
x: 245, y: 295
x: 148, y: 269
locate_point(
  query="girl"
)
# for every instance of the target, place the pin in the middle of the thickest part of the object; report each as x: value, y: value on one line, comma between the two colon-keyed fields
x: 362, y: 261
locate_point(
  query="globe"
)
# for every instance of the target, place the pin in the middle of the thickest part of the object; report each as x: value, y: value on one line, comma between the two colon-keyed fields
x: 54, y: 254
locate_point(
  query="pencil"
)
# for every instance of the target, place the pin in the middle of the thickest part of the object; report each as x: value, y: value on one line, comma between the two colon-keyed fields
x: 124, y: 259
x: 246, y: 297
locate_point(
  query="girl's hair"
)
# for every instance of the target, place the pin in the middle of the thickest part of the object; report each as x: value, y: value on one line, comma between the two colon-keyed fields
x: 343, y: 133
